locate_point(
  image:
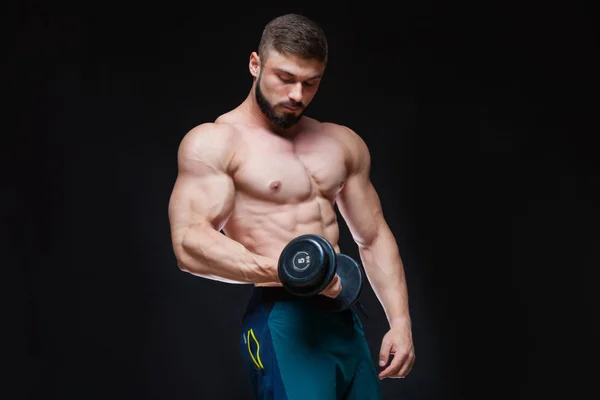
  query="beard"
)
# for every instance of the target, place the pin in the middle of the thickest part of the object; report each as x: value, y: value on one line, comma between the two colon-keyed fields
x: 284, y: 120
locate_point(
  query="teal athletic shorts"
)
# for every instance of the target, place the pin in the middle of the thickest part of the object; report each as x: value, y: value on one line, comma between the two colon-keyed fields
x: 294, y: 351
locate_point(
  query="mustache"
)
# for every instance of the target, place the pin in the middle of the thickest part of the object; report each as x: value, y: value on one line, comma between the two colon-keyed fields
x: 293, y: 104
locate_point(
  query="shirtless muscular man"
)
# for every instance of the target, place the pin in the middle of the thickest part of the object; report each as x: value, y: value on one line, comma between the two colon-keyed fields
x: 263, y: 174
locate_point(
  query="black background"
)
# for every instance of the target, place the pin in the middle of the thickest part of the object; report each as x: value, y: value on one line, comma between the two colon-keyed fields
x: 481, y: 119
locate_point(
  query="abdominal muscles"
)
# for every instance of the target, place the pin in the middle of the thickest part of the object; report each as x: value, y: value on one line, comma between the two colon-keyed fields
x: 264, y: 227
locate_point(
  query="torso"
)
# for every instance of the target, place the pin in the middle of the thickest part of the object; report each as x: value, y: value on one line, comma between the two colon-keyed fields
x: 285, y: 187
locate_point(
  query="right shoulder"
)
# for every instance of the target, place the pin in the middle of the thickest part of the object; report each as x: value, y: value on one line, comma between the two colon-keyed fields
x: 208, y: 143
x: 209, y: 133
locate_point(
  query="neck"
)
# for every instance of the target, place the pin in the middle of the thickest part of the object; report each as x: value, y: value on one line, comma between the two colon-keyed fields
x: 256, y: 117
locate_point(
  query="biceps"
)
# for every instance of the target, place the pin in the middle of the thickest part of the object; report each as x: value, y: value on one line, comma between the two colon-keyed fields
x: 197, y: 201
x: 360, y: 207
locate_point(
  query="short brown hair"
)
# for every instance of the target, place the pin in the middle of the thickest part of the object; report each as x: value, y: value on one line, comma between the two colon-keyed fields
x: 294, y: 34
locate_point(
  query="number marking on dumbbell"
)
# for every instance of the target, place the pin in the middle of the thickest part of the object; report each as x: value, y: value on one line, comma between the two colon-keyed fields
x: 301, y: 261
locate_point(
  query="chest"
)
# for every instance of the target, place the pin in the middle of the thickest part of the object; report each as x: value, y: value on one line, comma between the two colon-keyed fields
x: 291, y: 171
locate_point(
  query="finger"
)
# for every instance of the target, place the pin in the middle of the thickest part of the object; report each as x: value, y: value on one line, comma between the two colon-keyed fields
x: 330, y: 285
x: 394, y: 367
x: 408, y: 366
x: 334, y: 288
x: 337, y: 288
x: 334, y: 292
x: 384, y: 353
x: 336, y: 281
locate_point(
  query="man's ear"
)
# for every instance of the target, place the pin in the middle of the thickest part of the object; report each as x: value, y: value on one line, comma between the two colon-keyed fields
x: 254, y: 64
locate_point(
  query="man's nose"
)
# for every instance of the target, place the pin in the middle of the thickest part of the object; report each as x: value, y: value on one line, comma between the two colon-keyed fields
x: 295, y: 93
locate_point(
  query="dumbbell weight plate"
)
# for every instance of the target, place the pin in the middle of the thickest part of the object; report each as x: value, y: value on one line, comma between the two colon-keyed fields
x: 307, y: 265
x: 352, y: 278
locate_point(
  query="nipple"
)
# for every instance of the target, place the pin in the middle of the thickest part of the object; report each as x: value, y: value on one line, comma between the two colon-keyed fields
x: 275, y: 185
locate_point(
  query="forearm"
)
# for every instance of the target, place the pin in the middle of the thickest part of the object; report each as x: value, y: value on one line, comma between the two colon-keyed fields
x: 385, y: 271
x: 207, y: 253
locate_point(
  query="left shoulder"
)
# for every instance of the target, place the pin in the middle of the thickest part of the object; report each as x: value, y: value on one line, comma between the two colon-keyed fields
x: 353, y: 144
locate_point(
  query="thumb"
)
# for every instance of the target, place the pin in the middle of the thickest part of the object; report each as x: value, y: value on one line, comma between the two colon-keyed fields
x: 384, y: 353
x: 338, y: 284
x: 335, y: 287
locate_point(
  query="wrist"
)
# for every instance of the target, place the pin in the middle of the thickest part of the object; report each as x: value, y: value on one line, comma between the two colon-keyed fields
x: 400, y: 321
x: 273, y: 268
x: 271, y: 274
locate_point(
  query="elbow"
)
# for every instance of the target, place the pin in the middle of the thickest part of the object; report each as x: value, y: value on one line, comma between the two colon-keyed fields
x: 188, y: 260
x: 182, y: 258
x: 370, y: 237
x: 183, y: 263
x: 367, y: 242
x: 187, y: 263
x: 193, y: 250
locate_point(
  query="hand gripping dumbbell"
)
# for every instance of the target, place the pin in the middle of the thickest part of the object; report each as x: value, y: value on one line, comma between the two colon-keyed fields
x: 307, y: 265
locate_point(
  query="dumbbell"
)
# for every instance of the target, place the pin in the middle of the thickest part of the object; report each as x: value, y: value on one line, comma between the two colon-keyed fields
x: 307, y: 266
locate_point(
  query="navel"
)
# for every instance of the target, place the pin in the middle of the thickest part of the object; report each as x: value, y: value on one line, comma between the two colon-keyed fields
x: 275, y: 185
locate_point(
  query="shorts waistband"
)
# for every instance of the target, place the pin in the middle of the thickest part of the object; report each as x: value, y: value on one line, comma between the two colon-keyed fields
x: 267, y: 295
